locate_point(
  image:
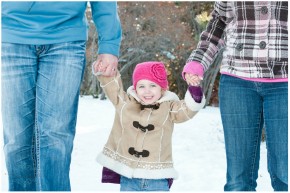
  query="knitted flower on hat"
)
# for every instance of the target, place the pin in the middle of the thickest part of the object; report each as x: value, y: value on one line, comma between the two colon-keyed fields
x: 153, y: 71
x: 158, y: 71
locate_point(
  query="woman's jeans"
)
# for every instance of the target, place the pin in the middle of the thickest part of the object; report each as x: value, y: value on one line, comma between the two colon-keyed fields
x: 40, y: 92
x: 247, y: 107
x: 139, y: 184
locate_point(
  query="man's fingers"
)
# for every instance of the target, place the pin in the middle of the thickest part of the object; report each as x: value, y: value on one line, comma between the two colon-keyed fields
x: 107, y: 64
x: 110, y: 71
x: 96, y: 67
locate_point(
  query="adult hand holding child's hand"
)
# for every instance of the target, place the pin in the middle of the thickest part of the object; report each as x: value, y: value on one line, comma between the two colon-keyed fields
x: 106, y: 64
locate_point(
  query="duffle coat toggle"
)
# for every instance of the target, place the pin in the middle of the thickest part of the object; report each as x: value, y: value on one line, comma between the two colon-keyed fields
x: 149, y: 127
x: 143, y: 153
x: 156, y: 106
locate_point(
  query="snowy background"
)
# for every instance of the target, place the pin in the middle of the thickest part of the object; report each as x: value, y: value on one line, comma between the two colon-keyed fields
x: 198, y: 151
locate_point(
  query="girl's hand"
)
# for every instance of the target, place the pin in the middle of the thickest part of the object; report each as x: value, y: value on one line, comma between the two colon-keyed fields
x: 193, y: 79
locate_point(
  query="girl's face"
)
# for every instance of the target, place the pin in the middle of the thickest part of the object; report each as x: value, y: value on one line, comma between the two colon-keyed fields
x: 149, y: 92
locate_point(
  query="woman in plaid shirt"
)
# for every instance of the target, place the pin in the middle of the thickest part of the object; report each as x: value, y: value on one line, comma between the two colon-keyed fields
x: 253, y: 89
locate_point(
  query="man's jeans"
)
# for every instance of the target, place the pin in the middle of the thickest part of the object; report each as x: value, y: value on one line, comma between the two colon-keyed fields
x: 40, y: 92
x: 246, y: 107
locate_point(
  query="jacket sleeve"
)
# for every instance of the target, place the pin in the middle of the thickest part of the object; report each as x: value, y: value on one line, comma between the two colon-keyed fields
x: 211, y: 39
x: 113, y: 88
x: 106, y: 19
x: 184, y: 110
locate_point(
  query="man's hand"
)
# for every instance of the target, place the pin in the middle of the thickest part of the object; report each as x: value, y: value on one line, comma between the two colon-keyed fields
x: 106, y: 64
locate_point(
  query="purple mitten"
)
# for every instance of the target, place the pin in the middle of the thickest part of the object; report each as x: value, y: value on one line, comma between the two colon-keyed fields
x: 196, y: 93
x: 109, y: 176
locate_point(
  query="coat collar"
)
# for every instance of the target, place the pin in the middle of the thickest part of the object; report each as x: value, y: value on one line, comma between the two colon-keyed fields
x: 168, y: 96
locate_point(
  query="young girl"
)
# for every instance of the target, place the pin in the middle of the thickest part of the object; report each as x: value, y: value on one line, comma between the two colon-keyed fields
x: 139, y: 149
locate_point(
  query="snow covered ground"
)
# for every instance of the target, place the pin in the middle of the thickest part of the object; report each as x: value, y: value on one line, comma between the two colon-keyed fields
x: 198, y: 151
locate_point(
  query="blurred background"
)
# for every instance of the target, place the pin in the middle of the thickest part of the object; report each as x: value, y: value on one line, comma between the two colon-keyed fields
x: 157, y: 31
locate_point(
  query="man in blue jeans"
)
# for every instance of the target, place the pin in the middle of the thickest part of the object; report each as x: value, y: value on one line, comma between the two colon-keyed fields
x: 43, y: 61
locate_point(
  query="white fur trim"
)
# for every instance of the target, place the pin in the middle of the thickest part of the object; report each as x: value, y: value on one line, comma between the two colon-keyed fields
x: 131, y: 91
x: 155, y: 174
x: 191, y: 104
x: 128, y: 172
x: 168, y: 96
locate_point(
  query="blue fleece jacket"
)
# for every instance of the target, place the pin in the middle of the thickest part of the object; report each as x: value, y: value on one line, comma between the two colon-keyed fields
x: 40, y: 23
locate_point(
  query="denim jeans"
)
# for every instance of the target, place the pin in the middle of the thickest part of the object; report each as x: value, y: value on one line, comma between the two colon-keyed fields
x: 138, y: 184
x: 246, y: 107
x: 40, y: 92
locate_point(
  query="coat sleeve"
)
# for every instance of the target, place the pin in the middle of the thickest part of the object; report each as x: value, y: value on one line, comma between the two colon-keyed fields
x: 113, y: 88
x: 211, y: 39
x: 184, y: 110
x: 106, y: 19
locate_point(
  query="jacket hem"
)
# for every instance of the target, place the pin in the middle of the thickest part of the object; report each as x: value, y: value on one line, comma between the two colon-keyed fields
x: 135, y: 172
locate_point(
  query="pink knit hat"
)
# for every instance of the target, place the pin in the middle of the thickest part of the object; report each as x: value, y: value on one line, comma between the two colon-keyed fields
x: 153, y: 71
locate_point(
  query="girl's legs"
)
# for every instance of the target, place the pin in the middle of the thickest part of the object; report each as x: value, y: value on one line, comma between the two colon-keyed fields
x: 138, y: 184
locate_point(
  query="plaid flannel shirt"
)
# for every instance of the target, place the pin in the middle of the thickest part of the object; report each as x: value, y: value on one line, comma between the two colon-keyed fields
x: 255, y: 37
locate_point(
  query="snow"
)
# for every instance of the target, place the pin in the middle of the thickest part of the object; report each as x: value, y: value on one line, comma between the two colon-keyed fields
x: 198, y: 151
